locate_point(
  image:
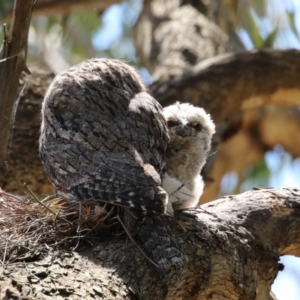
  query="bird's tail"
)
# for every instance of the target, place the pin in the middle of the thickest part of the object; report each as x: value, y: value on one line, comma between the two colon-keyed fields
x: 155, y: 199
x: 153, y: 233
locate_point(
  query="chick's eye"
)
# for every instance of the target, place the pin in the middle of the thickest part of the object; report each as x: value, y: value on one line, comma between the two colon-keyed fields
x: 172, y: 123
x: 198, y: 127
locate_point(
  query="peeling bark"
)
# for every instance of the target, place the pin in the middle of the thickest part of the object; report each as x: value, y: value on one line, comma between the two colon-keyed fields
x: 171, y: 36
x: 230, y: 251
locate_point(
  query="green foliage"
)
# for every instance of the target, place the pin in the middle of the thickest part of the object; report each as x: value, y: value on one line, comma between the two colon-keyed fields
x: 76, y: 45
x: 270, y: 39
x: 253, y: 31
x: 263, y: 21
x: 5, y: 5
x: 257, y: 175
x: 291, y: 20
x: 76, y: 33
x: 90, y: 21
x: 255, y: 34
x: 259, y: 6
x: 52, y: 21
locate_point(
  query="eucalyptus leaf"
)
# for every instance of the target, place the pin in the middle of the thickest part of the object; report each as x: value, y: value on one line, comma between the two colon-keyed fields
x: 291, y: 20
x: 270, y: 39
x: 259, y: 6
x: 254, y: 33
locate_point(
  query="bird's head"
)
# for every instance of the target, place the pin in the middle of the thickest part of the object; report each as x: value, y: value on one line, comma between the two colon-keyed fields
x: 189, y: 124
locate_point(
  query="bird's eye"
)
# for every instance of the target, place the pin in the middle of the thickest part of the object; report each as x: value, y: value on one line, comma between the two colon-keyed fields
x: 198, y: 127
x: 172, y: 123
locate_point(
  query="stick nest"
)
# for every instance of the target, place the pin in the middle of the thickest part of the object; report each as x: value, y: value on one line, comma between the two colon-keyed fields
x: 31, y: 226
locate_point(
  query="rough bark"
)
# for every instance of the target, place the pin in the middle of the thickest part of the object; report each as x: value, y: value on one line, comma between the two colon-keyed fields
x: 225, y: 84
x: 230, y: 250
x: 171, y: 36
x: 24, y: 164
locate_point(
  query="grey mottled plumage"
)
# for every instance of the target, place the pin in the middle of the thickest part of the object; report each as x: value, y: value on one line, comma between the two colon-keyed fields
x: 103, y: 137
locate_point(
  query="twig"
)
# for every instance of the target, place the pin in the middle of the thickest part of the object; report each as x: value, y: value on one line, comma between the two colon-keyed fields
x: 7, y: 58
x: 31, y: 272
x: 4, y: 254
x: 45, y: 206
x: 78, y: 228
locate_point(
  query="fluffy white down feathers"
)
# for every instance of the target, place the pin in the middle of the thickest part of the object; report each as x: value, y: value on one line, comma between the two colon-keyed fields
x: 191, y: 130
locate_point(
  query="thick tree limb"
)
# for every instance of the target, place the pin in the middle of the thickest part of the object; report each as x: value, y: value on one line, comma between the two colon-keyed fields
x: 225, y: 84
x: 12, y: 63
x: 230, y: 251
x: 228, y: 84
x: 63, y: 7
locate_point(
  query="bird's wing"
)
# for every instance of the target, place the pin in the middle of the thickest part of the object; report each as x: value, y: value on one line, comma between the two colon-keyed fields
x: 112, y: 149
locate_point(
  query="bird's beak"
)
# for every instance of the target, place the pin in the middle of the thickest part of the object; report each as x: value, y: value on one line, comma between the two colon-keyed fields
x: 183, y: 130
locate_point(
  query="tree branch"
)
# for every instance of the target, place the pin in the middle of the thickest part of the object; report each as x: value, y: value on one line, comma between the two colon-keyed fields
x: 230, y: 251
x: 12, y: 63
x: 227, y: 83
x: 63, y: 7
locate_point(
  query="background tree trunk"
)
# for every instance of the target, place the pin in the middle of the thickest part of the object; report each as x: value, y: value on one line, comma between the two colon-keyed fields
x: 24, y: 163
x: 13, y: 55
